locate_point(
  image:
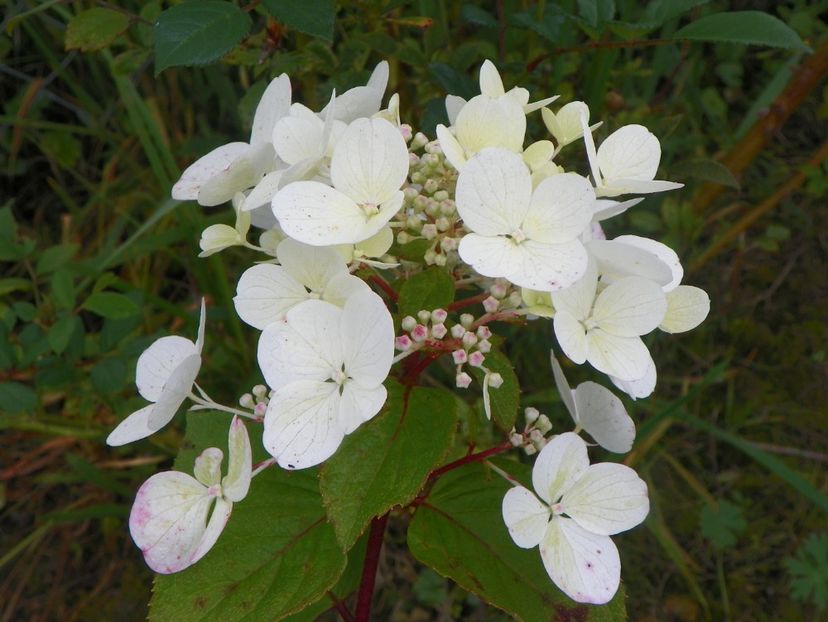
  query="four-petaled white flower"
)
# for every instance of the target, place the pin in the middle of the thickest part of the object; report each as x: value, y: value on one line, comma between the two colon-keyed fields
x: 596, y: 410
x: 605, y: 328
x: 368, y: 167
x: 165, y: 375
x: 169, y: 519
x: 266, y: 292
x: 580, y: 506
x: 326, y: 366
x: 529, y: 238
x: 626, y: 162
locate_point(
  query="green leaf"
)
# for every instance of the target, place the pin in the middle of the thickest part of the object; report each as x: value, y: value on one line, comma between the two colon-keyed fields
x: 16, y: 398
x: 109, y: 375
x: 459, y: 532
x: 453, y: 81
x: 387, y: 461
x: 477, y: 16
x: 596, y: 12
x: 198, y: 32
x: 548, y: 27
x: 63, y: 289
x: 809, y: 571
x: 61, y: 332
x: 111, y: 305
x: 705, y: 169
x: 746, y: 27
x: 660, y: 11
x: 505, y: 400
x: 8, y: 286
x: 95, y: 29
x: 55, y: 257
x: 721, y: 525
x: 431, y: 289
x: 313, y: 17
x: 276, y: 555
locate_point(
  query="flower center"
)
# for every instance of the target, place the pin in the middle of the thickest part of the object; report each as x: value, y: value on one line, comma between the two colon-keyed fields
x: 370, y: 209
x: 557, y: 509
x: 339, y: 376
x: 589, y: 323
x: 517, y: 236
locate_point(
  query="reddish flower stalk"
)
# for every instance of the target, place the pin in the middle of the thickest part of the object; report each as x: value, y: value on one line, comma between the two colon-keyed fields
x: 369, y: 568
x: 478, y: 457
x: 385, y: 286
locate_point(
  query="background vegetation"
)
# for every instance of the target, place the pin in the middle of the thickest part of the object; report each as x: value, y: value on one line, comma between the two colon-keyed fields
x: 97, y: 261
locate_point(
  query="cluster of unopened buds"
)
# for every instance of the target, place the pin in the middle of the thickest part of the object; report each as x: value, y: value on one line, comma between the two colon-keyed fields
x: 340, y: 195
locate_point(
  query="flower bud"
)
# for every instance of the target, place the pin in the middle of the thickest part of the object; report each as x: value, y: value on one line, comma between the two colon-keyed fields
x: 448, y: 244
x: 439, y: 260
x: 260, y: 391
x: 406, y: 131
x: 516, y: 439
x: 439, y: 315
x: 531, y: 414
x: 402, y: 343
x: 410, y: 193
x: 429, y: 231
x: 419, y: 140
x: 484, y: 345
x: 408, y: 323
x: 457, y: 331
x: 447, y: 207
x: 430, y: 186
x: 467, y: 319
x: 424, y: 316
x: 495, y: 380
x: 440, y: 195
x: 459, y: 357
x: 419, y: 334
x: 491, y: 304
x: 498, y: 290
x: 476, y: 359
x: 515, y: 299
x: 403, y: 238
x: 483, y: 332
x: 469, y: 339
x: 438, y: 331
x: 530, y: 450
x: 247, y: 401
x: 463, y: 380
x: 543, y: 424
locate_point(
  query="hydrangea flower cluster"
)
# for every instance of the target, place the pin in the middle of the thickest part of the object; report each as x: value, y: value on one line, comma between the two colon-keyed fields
x: 340, y: 197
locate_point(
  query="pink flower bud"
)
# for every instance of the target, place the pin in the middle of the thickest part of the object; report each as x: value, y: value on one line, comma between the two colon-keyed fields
x: 463, y: 380
x: 483, y: 332
x: 491, y: 304
x: 439, y: 316
x: 460, y: 357
x: 469, y: 339
x: 438, y: 331
x: 476, y: 360
x: 406, y: 131
x: 403, y: 342
x: 429, y: 231
x: 457, y: 331
x: 420, y: 333
x: 261, y: 409
x: 484, y: 346
x: 498, y: 290
x: 260, y: 391
x: 495, y: 380
x: 448, y: 244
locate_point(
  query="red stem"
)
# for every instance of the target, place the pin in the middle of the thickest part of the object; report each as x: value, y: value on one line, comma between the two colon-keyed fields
x: 478, y: 457
x: 376, y: 279
x: 369, y: 568
x: 467, y: 302
x: 340, y: 607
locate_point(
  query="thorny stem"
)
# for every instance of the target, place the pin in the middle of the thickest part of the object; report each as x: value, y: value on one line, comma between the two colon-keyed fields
x: 369, y: 568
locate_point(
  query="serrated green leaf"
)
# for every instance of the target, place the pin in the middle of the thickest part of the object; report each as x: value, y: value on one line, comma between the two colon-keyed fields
x: 505, y: 400
x: 387, y: 460
x: 198, y: 32
x: 723, y: 524
x: 276, y: 555
x: 61, y: 332
x: 459, y: 532
x: 745, y: 27
x: 95, y: 29
x: 660, y: 11
x: 809, y: 571
x: 313, y: 17
x: 16, y: 398
x: 431, y: 289
x: 111, y: 305
x: 705, y: 169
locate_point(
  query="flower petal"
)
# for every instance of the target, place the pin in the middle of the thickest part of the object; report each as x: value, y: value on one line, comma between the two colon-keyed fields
x: 617, y: 260
x: 640, y: 387
x: 585, y: 566
x: 549, y: 267
x: 342, y: 287
x: 301, y: 426
x: 486, y: 122
x: 627, y: 358
x: 298, y: 138
x: 359, y: 404
x: 493, y: 192
x: 274, y: 104
x: 525, y: 517
x: 242, y: 173
x: 367, y: 333
x: 202, y: 325
x: 176, y: 390
x: 666, y: 254
x: 236, y: 483
x: 571, y: 336
x: 305, y: 345
x: 560, y: 209
x: 577, y: 299
x: 362, y: 101
x: 630, y: 307
x: 607, y: 499
x: 316, y: 214
x: 157, y: 363
x: 565, y: 126
x: 454, y: 105
x: 133, y: 428
x: 630, y: 152
x: 687, y: 307
x: 370, y: 161
x: 615, y: 187
x: 205, y: 168
x: 490, y: 83
x: 265, y: 293
x: 564, y: 389
x: 494, y: 256
x: 217, y: 523
x: 559, y: 465
x: 604, y: 417
x: 311, y: 266
x: 207, y: 469
x: 453, y: 150
x: 607, y: 208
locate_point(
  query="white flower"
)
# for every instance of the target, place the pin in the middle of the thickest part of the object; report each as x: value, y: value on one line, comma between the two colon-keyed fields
x: 595, y: 409
x: 362, y: 101
x: 529, y: 238
x: 216, y: 238
x: 169, y: 519
x: 626, y: 162
x: 326, y: 366
x: 231, y: 168
x: 605, y: 329
x: 565, y: 126
x: 370, y: 249
x: 266, y: 292
x: 165, y: 375
x: 368, y: 167
x: 580, y: 506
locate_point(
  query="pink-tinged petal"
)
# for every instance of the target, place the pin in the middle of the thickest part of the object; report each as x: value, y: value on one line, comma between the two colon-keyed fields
x: 604, y: 417
x: 493, y: 192
x: 302, y: 427
x: 559, y: 465
x: 216, y: 524
x: 367, y: 334
x: 561, y: 208
x: 236, y: 483
x: 607, y: 499
x: 571, y: 336
x: 176, y: 389
x: 158, y: 362
x: 205, y: 168
x: 168, y: 520
x: 359, y: 404
x: 584, y: 565
x: 626, y: 358
x: 265, y: 293
x: 525, y: 517
x: 306, y: 345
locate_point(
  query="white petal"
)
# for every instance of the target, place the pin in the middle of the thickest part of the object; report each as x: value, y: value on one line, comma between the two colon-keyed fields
x: 133, y: 428
x: 666, y: 254
x: 630, y: 152
x: 589, y: 144
x: 306, y: 345
x: 202, y: 325
x: 486, y: 122
x: 265, y: 293
x: 549, y: 267
x: 367, y: 331
x: 614, y: 187
x: 627, y: 358
x: 176, y: 389
x: 168, y: 520
x: 490, y: 83
x: 617, y: 260
x: 318, y: 215
x: 565, y: 126
x: 217, y: 523
x: 525, y: 516
x: 577, y: 299
x: 529, y: 108
x: 560, y: 209
x: 630, y: 307
x: 493, y: 192
x: 564, y: 390
x: 301, y: 427
x: 641, y: 387
x: 299, y: 138
x: 362, y: 101
x: 359, y: 404
x: 453, y: 106
x: 236, y: 483
x: 607, y: 208
x: 242, y: 173
x: 274, y: 104
x: 311, y: 266
x: 494, y: 256
x: 378, y: 244
x: 559, y: 465
x: 370, y: 161
x: 207, y: 469
x: 687, y: 307
x: 538, y: 154
x: 342, y: 287
x: 607, y: 499
x: 585, y: 566
x: 571, y: 336
x: 452, y: 149
x: 157, y: 363
x: 604, y: 417
x: 205, y: 168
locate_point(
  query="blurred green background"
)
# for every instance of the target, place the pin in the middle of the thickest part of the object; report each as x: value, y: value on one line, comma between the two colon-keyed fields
x: 97, y: 261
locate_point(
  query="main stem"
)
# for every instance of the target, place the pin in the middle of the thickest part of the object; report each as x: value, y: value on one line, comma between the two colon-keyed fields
x: 369, y: 569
